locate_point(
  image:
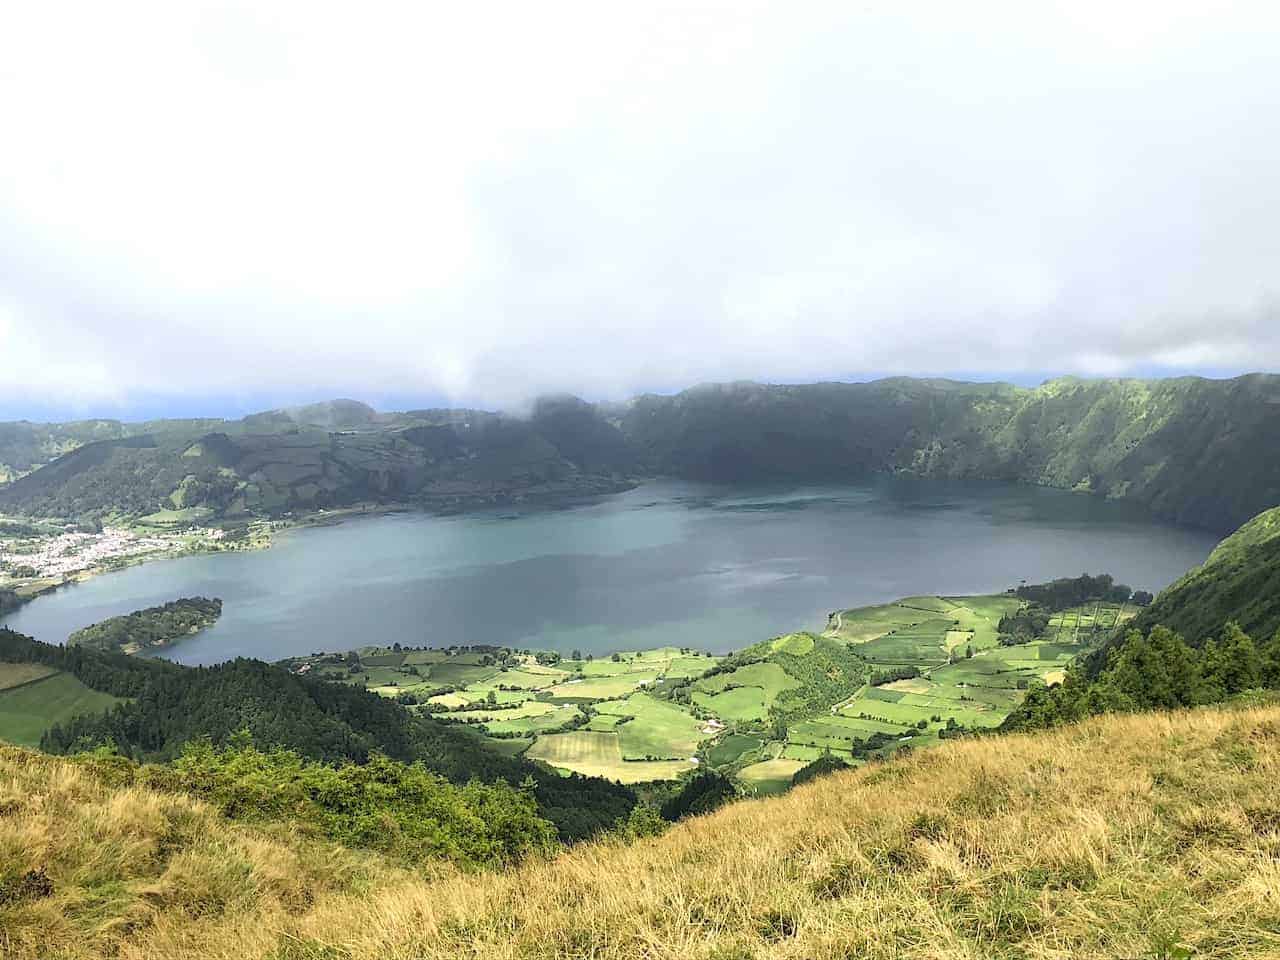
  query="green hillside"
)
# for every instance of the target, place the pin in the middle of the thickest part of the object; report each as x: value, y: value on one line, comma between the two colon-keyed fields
x: 1212, y: 635
x: 33, y: 701
x: 1195, y: 451
x: 1240, y: 581
x: 328, y: 455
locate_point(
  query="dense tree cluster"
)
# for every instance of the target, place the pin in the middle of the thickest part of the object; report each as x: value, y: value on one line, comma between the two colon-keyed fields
x: 705, y: 791
x: 825, y: 765
x: 882, y: 675
x: 1073, y: 591
x: 1023, y: 625
x: 154, y: 626
x: 828, y: 673
x: 1157, y: 670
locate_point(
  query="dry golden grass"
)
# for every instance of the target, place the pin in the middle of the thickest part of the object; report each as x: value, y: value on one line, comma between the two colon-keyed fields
x: 1129, y: 837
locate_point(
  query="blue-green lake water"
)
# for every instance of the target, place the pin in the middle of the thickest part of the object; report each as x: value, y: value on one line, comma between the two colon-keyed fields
x: 667, y: 563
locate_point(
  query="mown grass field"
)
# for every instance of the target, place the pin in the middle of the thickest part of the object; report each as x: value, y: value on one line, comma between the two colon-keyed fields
x: 29, y: 709
x: 746, y: 694
x: 17, y: 674
x: 769, y: 776
x: 599, y: 754
x: 650, y: 729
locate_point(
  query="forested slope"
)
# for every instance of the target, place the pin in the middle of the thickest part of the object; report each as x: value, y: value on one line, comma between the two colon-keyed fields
x: 170, y: 706
x: 1195, y: 451
x: 330, y: 455
x: 1240, y: 581
x: 1212, y: 635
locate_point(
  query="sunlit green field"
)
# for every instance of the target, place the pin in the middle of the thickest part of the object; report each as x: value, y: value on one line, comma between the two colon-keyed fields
x: 598, y: 754
x: 876, y: 680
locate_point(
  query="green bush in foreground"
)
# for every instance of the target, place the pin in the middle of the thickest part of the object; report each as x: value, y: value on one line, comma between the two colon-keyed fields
x: 400, y: 809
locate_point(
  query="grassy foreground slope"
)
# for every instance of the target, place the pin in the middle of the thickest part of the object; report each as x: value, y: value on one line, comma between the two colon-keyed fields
x: 1152, y: 836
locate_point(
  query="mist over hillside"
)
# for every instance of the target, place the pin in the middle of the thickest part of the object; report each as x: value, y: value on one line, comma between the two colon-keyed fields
x: 1195, y: 451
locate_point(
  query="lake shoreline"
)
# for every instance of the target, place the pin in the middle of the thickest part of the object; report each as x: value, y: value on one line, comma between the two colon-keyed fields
x: 270, y: 528
x: 710, y: 567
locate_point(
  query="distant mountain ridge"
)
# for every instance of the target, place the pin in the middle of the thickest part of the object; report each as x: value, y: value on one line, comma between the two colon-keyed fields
x: 1195, y: 451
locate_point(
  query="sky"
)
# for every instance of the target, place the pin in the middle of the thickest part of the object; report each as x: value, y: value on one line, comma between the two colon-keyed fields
x: 221, y: 207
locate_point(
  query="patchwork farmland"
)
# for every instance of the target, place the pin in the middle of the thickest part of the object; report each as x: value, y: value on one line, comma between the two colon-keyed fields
x: 876, y: 680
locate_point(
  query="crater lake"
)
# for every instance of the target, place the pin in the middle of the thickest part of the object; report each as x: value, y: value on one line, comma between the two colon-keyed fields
x: 668, y: 563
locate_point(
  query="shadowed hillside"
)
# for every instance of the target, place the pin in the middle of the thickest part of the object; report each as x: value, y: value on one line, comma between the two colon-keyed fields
x: 1195, y: 451
x: 1154, y: 836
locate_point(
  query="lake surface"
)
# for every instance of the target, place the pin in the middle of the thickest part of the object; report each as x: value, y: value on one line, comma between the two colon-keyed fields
x: 668, y: 563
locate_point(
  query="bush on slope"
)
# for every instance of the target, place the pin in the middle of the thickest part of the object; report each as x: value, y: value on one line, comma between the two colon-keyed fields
x: 170, y: 706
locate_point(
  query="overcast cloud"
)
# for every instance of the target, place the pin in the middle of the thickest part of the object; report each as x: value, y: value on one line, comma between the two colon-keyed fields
x: 484, y: 201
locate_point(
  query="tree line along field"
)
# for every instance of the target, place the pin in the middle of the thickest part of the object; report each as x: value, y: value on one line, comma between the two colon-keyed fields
x: 877, y: 679
x: 34, y: 697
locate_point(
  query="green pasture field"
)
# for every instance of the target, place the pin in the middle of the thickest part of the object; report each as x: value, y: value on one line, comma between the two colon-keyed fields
x: 508, y: 746
x: 904, y: 714
x: 383, y: 658
x: 531, y: 724
x: 17, y: 674
x: 923, y: 644
x: 690, y: 666
x: 769, y: 677
x: 528, y: 708
x: 524, y: 678
x: 451, y: 701
x: 598, y: 754
x: 796, y: 644
x: 172, y: 518
x: 931, y: 704
x: 657, y: 730
x: 418, y: 658
x: 389, y: 677
x: 921, y: 619
x: 26, y: 712
x: 769, y: 776
x: 838, y: 730
x: 460, y: 674
x: 730, y: 747
x: 739, y: 705
x: 861, y: 624
x: 806, y: 754
x: 602, y: 687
